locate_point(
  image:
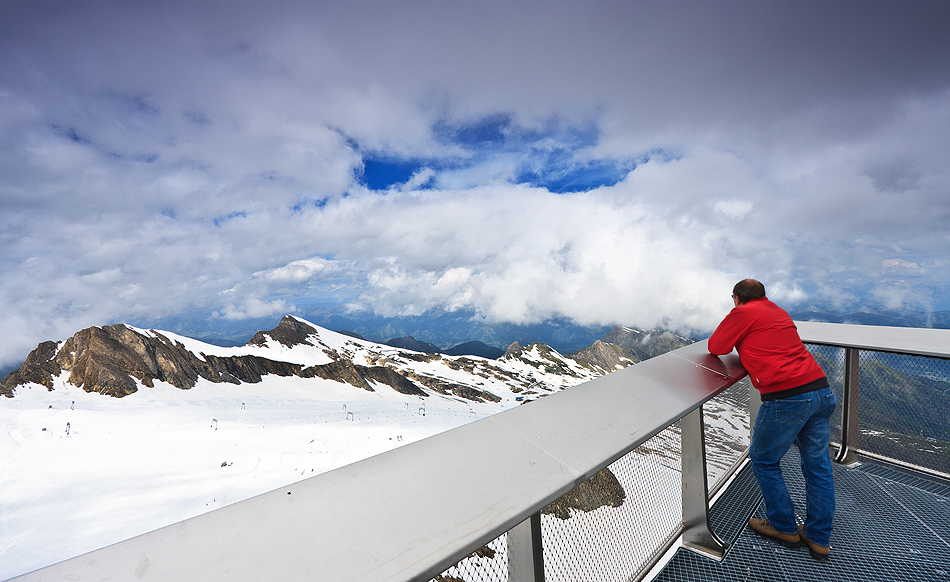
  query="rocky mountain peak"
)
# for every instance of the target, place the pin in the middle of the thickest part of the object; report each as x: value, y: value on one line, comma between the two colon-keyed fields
x: 110, y: 359
x: 639, y: 345
x: 289, y: 332
x: 514, y: 349
x: 602, y: 356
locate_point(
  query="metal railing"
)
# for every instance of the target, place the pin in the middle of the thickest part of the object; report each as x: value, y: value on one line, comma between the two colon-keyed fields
x: 893, y: 389
x: 596, y: 482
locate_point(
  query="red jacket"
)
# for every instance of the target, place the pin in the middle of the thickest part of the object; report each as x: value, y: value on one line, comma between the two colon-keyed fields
x: 768, y: 345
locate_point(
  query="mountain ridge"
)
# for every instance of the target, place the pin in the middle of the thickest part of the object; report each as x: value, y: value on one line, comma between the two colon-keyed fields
x: 117, y: 359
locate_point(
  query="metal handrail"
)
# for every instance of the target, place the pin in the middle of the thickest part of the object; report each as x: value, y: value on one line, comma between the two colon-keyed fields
x: 924, y: 342
x: 410, y: 513
x: 914, y: 341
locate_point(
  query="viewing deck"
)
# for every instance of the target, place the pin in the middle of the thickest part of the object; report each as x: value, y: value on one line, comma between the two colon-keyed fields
x: 890, y: 526
x: 599, y: 482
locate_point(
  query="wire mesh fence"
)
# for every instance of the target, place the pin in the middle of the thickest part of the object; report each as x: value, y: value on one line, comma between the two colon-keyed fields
x: 608, y: 528
x: 904, y: 408
x: 611, y: 527
x: 727, y: 432
x: 903, y: 405
x: 615, y: 525
x: 488, y: 564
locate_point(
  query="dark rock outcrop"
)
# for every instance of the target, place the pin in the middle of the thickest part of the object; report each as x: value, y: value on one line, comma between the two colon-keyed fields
x: 600, y: 490
x: 642, y: 345
x: 514, y: 349
x: 602, y: 356
x: 460, y: 390
x: 289, y: 332
x: 39, y: 368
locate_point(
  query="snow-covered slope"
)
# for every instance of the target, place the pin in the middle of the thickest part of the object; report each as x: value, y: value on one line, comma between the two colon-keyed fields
x: 80, y: 470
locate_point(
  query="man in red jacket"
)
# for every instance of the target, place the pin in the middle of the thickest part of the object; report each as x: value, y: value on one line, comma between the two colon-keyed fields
x: 796, y: 408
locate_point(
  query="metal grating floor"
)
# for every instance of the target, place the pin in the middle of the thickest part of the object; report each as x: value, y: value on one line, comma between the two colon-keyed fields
x: 889, y: 526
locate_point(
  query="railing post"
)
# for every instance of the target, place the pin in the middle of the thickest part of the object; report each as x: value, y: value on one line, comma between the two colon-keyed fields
x: 698, y: 534
x: 525, y: 556
x: 850, y: 435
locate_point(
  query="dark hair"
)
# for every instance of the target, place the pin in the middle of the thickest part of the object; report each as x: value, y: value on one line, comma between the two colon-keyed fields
x: 748, y: 289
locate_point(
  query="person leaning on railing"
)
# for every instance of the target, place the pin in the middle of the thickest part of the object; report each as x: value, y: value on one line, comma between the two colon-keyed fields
x: 796, y: 407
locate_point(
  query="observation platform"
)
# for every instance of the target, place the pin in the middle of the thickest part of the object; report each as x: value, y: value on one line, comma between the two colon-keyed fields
x: 673, y: 429
x: 890, y: 525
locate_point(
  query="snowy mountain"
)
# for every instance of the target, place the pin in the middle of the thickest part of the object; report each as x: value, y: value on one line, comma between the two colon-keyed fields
x: 118, y: 431
x: 117, y: 360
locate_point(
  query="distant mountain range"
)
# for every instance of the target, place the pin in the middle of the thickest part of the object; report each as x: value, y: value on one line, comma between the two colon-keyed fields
x: 449, y: 329
x: 463, y: 333
x: 934, y: 319
x: 472, y: 348
x: 117, y: 359
x: 444, y: 330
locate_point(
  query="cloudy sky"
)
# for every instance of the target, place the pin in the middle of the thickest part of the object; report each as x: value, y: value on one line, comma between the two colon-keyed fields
x: 608, y: 162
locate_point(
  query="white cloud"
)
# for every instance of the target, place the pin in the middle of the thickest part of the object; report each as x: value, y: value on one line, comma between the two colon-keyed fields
x: 152, y: 158
x: 733, y: 208
x: 254, y: 308
x: 900, y: 295
x: 419, y: 179
x: 892, y: 264
x: 300, y: 271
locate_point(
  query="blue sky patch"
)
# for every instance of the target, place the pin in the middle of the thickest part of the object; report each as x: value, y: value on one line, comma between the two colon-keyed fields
x: 542, y: 157
x: 577, y: 178
x: 222, y: 219
x: 383, y: 172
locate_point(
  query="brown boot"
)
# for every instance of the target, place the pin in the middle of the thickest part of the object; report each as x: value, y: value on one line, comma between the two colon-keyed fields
x: 820, y: 553
x: 765, y: 529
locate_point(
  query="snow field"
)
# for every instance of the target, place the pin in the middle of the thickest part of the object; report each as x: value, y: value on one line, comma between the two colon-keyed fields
x: 132, y: 465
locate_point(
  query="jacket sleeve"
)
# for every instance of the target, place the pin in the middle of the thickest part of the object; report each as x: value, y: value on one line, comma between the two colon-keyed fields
x: 727, y: 335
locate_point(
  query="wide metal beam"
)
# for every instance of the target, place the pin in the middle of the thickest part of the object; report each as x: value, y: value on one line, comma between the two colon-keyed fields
x: 410, y: 513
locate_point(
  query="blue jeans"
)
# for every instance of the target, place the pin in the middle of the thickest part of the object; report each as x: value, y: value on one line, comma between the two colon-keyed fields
x: 805, y: 421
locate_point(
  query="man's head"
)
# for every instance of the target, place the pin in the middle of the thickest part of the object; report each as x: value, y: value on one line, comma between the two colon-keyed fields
x: 747, y: 290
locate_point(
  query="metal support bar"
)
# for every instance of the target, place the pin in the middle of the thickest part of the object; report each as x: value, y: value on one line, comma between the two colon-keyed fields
x: 698, y: 534
x: 525, y: 556
x: 850, y: 434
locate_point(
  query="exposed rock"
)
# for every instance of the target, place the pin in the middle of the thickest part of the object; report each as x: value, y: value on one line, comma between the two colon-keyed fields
x: 38, y: 368
x: 642, y: 345
x: 552, y: 361
x: 513, y: 349
x: 400, y: 383
x: 289, y: 332
x: 602, y: 356
x: 600, y: 490
x: 341, y: 371
x: 460, y: 390
x: 420, y: 357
